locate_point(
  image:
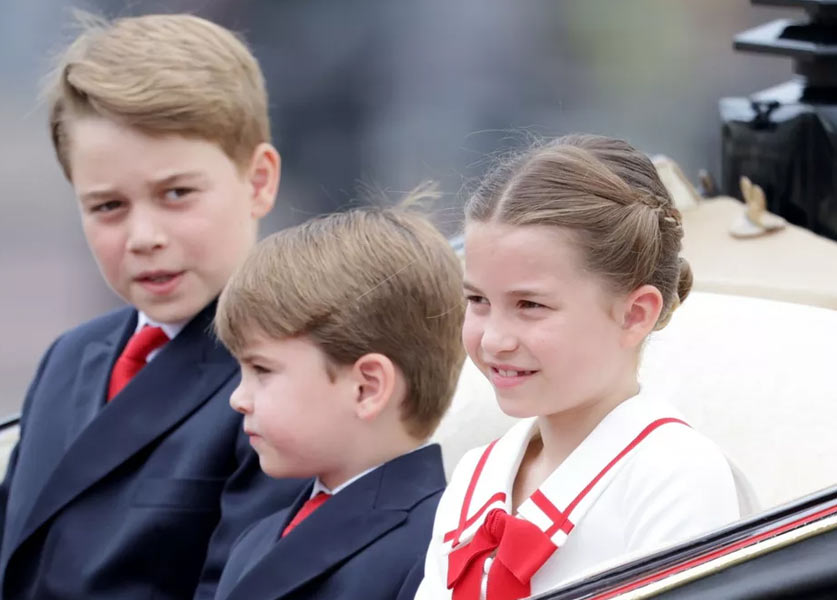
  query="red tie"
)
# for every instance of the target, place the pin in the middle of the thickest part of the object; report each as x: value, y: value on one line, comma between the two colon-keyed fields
x: 134, y: 356
x: 310, y: 506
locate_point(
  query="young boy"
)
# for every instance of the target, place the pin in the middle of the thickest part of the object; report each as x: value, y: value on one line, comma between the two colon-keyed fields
x: 347, y: 330
x: 132, y: 477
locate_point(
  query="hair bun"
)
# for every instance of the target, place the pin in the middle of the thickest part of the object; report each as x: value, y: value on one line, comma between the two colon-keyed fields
x: 685, y: 280
x: 684, y: 286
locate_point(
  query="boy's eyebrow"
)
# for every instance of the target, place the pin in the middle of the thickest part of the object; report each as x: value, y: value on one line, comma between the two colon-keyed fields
x: 171, y: 178
x: 254, y: 356
x: 108, y: 192
x: 247, y: 356
x: 102, y: 194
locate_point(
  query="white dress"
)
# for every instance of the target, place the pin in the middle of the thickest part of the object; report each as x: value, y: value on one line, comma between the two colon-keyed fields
x: 641, y: 480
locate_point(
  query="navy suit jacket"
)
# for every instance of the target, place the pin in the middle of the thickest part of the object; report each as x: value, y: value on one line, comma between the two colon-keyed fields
x: 367, y: 542
x: 138, y: 498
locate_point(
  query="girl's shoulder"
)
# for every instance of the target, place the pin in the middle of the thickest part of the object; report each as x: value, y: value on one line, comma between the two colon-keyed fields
x: 676, y: 464
x: 678, y: 449
x: 681, y: 475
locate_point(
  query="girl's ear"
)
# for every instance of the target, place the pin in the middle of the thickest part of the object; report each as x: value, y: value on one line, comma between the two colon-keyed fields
x: 263, y: 177
x: 375, y: 376
x: 640, y: 314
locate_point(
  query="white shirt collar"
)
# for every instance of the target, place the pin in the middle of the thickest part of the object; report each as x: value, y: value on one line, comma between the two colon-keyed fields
x: 319, y: 486
x: 171, y: 330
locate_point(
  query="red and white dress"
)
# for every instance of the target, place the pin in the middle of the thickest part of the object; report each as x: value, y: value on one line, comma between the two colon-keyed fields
x: 641, y: 480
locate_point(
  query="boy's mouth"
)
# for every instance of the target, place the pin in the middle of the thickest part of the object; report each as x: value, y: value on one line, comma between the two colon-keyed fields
x: 252, y: 436
x: 159, y: 282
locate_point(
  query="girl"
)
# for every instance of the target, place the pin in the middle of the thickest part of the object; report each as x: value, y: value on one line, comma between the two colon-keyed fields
x: 571, y: 260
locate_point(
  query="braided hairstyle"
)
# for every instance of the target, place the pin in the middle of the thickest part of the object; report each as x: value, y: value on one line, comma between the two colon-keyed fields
x: 610, y: 196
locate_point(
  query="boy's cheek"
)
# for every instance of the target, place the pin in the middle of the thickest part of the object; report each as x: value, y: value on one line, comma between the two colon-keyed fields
x: 106, y: 249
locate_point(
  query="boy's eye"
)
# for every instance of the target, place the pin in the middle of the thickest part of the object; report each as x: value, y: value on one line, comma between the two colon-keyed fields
x: 178, y: 193
x: 106, y: 207
x: 259, y: 369
x: 529, y: 304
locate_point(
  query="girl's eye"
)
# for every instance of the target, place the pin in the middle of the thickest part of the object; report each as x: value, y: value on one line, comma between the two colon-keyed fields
x: 106, y: 207
x: 178, y: 193
x: 529, y: 304
x: 473, y: 299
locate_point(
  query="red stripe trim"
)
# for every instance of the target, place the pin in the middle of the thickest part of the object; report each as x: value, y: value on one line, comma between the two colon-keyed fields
x: 466, y: 504
x: 716, y: 554
x: 642, y: 435
x: 498, y: 497
x: 559, y: 519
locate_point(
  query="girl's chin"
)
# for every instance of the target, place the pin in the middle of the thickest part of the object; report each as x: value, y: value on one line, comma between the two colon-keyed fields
x: 517, y: 407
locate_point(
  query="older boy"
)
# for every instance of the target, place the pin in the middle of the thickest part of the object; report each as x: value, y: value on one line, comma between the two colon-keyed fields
x: 347, y: 330
x: 132, y: 477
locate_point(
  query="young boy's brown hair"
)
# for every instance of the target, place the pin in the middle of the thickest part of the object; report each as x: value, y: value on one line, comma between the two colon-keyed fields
x: 162, y: 74
x: 347, y: 330
x: 367, y: 280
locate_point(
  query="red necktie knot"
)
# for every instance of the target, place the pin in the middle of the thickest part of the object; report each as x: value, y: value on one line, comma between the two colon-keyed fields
x: 144, y: 342
x: 134, y: 357
x: 305, y: 510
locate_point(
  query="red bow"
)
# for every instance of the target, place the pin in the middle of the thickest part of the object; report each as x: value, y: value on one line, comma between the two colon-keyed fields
x: 521, y: 547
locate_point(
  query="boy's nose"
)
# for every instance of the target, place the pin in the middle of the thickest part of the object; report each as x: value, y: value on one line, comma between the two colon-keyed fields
x: 145, y: 233
x: 238, y: 400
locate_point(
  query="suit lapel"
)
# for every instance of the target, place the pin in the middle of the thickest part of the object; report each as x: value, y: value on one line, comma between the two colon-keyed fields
x: 314, y: 546
x: 343, y: 525
x: 93, y: 375
x: 172, y: 386
x: 260, y: 540
x: 85, y: 399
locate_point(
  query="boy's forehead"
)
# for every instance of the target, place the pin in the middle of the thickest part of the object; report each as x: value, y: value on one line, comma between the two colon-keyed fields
x: 101, y: 151
x: 254, y: 341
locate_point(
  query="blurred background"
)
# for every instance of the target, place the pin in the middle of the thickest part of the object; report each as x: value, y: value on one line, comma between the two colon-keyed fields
x: 379, y: 94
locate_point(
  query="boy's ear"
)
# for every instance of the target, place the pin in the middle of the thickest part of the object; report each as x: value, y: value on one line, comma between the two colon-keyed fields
x: 641, y: 311
x: 375, y: 376
x: 263, y: 177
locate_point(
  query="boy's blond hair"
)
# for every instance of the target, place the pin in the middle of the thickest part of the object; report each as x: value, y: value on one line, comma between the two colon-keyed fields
x: 380, y: 280
x: 162, y: 74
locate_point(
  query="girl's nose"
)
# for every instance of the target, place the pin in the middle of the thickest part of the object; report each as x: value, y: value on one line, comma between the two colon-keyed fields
x: 497, y: 339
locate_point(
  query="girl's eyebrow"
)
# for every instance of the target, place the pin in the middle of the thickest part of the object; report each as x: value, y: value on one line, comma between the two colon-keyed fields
x: 527, y: 293
x: 519, y: 293
x: 470, y: 287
